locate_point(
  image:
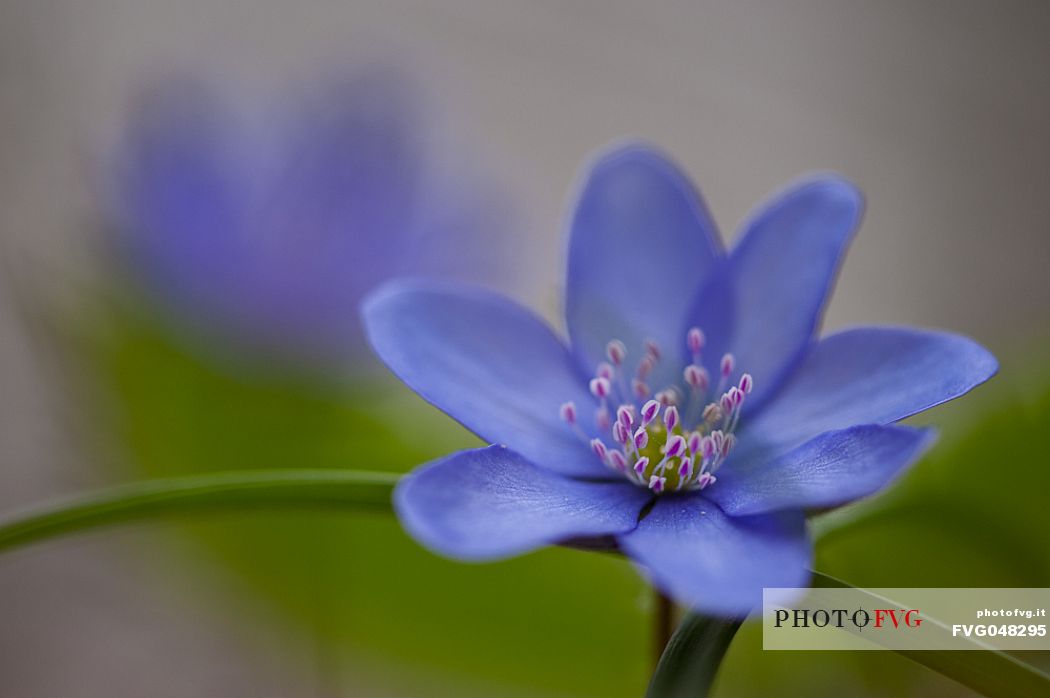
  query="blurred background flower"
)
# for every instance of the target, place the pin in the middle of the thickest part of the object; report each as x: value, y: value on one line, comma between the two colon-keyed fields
x: 266, y: 230
x: 937, y: 110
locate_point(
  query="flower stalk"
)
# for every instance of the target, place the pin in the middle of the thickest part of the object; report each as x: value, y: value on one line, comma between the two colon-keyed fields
x: 663, y: 623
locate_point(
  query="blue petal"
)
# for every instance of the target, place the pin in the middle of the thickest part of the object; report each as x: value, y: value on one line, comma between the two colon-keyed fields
x: 488, y: 363
x: 778, y: 278
x: 868, y: 375
x: 829, y: 470
x: 491, y: 503
x: 641, y: 243
x: 716, y: 563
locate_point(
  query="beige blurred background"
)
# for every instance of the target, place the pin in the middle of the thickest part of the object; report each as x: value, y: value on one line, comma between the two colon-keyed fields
x: 939, y: 110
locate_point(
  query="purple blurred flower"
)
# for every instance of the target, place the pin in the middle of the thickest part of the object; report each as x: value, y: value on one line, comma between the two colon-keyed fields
x: 269, y: 230
x: 705, y: 480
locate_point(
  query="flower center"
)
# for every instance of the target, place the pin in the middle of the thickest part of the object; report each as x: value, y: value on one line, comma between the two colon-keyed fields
x: 678, y: 437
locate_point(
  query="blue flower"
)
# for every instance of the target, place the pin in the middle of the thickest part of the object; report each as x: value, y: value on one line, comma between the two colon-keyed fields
x: 693, y: 417
x: 268, y: 226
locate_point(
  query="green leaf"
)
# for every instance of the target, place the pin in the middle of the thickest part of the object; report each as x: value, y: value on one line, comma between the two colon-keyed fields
x: 990, y: 672
x: 692, y: 657
x: 260, y: 489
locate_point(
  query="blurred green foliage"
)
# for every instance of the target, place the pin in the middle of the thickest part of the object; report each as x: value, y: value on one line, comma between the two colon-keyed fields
x: 355, y: 582
x: 975, y: 512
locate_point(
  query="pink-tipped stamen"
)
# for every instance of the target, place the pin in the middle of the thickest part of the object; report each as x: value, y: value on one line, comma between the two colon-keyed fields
x: 693, y: 436
x: 650, y: 410
x: 727, y: 365
x: 695, y: 340
x: 671, y: 418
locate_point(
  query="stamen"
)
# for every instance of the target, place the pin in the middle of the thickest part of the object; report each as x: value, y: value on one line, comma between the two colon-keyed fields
x: 600, y: 387
x: 685, y: 473
x: 696, y: 340
x: 668, y: 396
x: 671, y: 418
x: 675, y: 446
x: 736, y: 396
x: 728, y: 363
x: 694, y: 442
x: 601, y: 418
x: 678, y: 438
x: 625, y: 416
x: 707, y: 447
x: 696, y: 377
x: 649, y: 412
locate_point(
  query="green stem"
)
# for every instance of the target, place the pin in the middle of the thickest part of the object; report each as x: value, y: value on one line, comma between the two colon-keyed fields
x: 663, y: 623
x: 691, y: 659
x: 212, y: 492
